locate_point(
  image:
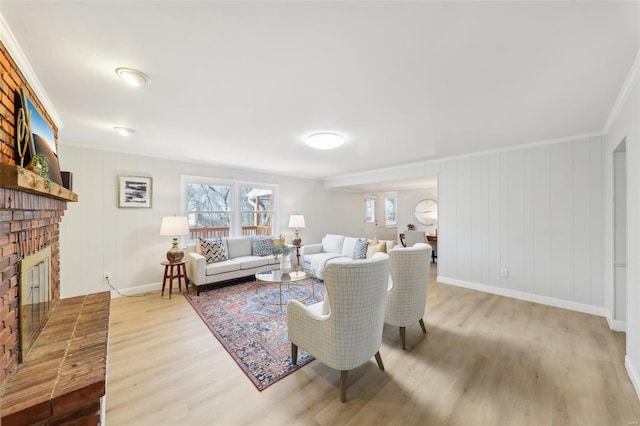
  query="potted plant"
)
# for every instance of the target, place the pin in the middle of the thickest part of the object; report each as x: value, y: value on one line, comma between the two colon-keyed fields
x: 41, y: 167
x: 411, y: 227
x: 285, y: 261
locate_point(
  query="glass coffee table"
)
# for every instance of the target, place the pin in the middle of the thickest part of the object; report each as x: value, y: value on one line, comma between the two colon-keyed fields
x: 269, y: 277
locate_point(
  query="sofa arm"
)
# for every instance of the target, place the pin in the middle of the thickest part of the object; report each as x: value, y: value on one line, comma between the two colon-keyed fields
x: 310, y: 249
x: 196, y: 268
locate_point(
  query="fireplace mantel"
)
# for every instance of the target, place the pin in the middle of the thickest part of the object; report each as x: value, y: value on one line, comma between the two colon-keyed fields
x: 21, y: 179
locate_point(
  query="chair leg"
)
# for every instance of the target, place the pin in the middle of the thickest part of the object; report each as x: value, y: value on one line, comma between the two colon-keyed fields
x: 403, y: 337
x: 424, y: 329
x: 294, y: 354
x: 379, y: 361
x: 344, y: 382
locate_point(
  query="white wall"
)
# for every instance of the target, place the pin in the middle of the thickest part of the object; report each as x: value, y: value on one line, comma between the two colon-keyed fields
x: 625, y: 124
x: 535, y: 211
x: 97, y: 236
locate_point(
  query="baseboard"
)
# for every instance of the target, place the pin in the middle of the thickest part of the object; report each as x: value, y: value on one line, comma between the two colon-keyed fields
x: 616, y: 325
x: 132, y: 291
x: 544, y: 300
x: 633, y: 374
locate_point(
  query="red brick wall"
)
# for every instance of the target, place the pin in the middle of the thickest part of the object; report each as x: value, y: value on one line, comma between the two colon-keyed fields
x: 27, y: 221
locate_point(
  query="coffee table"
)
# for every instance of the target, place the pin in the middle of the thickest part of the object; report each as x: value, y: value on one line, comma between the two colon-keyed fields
x: 276, y: 277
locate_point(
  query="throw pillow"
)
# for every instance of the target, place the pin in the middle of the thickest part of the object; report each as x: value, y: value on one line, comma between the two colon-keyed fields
x: 360, y: 249
x: 214, y: 250
x: 376, y: 246
x: 261, y: 246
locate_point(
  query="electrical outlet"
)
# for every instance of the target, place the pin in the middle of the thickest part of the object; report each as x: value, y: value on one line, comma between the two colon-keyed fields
x: 106, y: 276
x: 504, y: 273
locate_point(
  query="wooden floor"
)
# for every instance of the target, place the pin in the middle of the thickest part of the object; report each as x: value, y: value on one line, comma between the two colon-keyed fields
x: 487, y: 360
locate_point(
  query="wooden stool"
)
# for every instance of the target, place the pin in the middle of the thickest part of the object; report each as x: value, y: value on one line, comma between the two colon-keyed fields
x: 173, y: 270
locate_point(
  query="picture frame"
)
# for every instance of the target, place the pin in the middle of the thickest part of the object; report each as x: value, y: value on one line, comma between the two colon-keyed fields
x: 134, y: 191
x: 41, y: 139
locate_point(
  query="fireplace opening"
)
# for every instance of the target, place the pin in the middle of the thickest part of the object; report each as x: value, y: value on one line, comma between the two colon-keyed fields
x: 35, y: 297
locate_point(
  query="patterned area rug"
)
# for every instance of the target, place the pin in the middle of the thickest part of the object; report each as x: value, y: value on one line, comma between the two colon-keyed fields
x: 252, y: 331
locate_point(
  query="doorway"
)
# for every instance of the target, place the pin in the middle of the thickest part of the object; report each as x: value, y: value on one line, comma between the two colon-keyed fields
x: 620, y: 232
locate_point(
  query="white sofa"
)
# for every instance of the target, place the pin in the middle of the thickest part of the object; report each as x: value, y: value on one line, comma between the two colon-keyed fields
x: 333, y: 248
x: 240, y: 263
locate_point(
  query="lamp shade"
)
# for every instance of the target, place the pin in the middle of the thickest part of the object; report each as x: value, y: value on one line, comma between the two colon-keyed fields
x: 174, y: 225
x: 296, y: 221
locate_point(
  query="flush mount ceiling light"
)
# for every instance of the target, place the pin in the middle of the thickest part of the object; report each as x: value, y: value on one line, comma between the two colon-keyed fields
x: 325, y: 140
x: 133, y: 77
x: 124, y: 131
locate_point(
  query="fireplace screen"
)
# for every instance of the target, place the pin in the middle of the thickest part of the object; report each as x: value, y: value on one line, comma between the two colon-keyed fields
x: 35, y: 297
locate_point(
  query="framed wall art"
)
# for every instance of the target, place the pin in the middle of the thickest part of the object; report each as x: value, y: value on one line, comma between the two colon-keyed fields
x: 41, y: 139
x: 135, y: 191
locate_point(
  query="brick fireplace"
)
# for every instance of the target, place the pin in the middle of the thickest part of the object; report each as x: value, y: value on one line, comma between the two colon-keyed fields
x: 62, y: 379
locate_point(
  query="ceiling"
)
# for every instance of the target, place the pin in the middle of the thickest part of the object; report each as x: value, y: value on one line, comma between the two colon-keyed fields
x: 242, y: 83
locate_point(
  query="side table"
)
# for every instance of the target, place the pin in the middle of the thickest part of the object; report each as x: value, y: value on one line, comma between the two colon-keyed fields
x: 175, y: 270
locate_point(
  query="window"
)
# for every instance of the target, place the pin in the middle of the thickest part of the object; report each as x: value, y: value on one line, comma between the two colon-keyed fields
x: 219, y: 209
x: 390, y: 209
x: 370, y: 209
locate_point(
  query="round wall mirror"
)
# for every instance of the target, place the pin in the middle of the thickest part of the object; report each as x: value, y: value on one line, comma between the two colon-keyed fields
x: 426, y: 212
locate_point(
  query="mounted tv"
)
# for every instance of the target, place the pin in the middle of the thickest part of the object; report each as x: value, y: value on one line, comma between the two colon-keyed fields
x: 42, y: 140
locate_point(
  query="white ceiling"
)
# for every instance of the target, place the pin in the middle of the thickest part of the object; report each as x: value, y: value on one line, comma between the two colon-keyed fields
x: 242, y: 83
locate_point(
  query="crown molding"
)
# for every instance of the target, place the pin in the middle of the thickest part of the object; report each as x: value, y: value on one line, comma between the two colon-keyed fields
x: 625, y: 91
x: 14, y: 49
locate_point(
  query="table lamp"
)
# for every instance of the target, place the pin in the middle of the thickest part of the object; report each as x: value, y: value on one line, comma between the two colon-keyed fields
x: 296, y: 221
x: 174, y: 226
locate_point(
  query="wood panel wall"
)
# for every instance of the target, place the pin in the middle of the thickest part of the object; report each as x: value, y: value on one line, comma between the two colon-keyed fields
x: 535, y: 211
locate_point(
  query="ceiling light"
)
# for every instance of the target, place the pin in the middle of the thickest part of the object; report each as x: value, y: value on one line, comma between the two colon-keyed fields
x: 133, y: 77
x: 325, y: 140
x: 124, y: 131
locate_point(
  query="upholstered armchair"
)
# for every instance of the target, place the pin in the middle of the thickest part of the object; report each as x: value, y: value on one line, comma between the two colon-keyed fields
x: 344, y: 330
x: 407, y: 295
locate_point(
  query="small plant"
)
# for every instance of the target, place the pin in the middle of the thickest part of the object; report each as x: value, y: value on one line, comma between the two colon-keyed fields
x: 280, y: 249
x: 411, y: 227
x: 41, y: 167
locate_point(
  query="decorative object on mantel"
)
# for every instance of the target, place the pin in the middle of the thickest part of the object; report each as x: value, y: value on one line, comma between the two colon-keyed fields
x: 67, y: 180
x: 135, y: 191
x: 41, y: 139
x: 23, y: 133
x: 174, y: 226
x: 296, y: 221
x: 41, y: 167
x: 254, y: 333
x: 411, y: 227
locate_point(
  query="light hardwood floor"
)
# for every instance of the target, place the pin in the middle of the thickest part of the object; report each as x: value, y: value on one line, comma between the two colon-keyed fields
x: 486, y: 360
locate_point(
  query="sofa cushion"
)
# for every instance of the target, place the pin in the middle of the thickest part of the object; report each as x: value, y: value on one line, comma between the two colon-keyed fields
x: 360, y: 249
x: 248, y: 262
x: 348, y: 245
x: 238, y: 246
x: 261, y: 246
x: 221, y: 267
x: 214, y: 249
x: 376, y: 246
x: 332, y: 243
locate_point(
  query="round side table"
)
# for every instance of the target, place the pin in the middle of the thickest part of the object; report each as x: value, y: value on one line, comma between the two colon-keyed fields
x: 175, y: 270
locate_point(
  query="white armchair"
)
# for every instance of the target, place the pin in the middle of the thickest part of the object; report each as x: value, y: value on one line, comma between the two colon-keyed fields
x: 407, y: 295
x: 344, y: 330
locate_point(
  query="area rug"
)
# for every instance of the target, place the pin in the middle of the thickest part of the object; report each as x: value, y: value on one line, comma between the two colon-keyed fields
x: 253, y: 332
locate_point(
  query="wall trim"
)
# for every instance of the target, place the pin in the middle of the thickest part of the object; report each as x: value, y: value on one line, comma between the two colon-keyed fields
x: 543, y: 300
x: 14, y: 49
x: 616, y: 325
x: 624, y: 93
x: 132, y: 291
x: 632, y: 373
